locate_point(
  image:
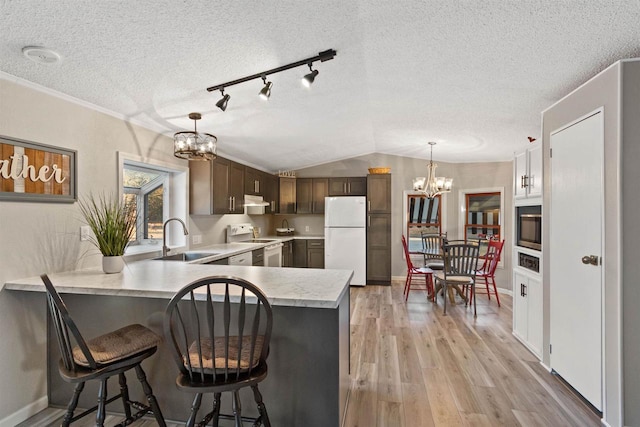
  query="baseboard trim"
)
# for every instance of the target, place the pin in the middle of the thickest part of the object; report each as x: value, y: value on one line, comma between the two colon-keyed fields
x: 25, y: 412
x: 506, y: 291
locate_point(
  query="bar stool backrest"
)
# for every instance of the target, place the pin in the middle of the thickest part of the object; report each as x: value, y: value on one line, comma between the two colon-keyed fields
x: 66, y: 330
x: 212, y: 340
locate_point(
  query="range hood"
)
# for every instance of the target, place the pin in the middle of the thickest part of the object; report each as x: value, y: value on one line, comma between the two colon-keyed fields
x: 254, y: 205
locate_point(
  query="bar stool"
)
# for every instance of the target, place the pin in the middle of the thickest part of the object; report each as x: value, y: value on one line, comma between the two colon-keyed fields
x: 101, y: 358
x: 214, y: 353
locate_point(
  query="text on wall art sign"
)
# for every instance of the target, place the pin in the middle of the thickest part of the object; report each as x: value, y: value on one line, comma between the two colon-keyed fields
x: 33, y: 172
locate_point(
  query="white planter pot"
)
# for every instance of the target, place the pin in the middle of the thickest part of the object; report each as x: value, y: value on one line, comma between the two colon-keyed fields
x: 112, y: 264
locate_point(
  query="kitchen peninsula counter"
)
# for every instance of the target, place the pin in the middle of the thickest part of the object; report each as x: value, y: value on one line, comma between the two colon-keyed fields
x: 308, y: 379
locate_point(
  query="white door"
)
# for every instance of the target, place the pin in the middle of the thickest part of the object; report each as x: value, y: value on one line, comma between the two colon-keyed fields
x: 576, y: 232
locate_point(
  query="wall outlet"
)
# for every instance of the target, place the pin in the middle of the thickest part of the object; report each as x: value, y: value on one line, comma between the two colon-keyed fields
x: 196, y: 239
x: 306, y: 228
x: 85, y: 233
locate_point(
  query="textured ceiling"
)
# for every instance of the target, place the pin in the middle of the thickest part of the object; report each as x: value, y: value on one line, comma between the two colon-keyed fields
x: 473, y: 76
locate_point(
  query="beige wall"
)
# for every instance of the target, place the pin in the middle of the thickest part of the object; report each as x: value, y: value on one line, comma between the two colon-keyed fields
x: 44, y: 237
x: 467, y: 176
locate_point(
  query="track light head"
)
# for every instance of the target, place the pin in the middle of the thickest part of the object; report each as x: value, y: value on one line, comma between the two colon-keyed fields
x: 309, y: 78
x: 265, y: 93
x: 222, y: 103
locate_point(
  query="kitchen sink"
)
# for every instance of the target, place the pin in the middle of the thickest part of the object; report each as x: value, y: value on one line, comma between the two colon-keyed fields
x: 186, y: 256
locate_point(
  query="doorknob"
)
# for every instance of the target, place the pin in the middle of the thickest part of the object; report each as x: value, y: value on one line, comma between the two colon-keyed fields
x: 590, y: 259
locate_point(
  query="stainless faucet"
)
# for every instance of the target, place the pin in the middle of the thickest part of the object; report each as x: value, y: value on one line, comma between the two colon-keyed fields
x: 165, y: 248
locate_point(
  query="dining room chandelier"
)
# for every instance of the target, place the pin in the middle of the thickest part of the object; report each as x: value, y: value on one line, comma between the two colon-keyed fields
x: 192, y: 145
x: 432, y: 185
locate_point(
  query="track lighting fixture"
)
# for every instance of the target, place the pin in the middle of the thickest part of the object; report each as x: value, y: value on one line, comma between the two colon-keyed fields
x: 265, y: 93
x: 309, y: 78
x: 222, y: 104
x: 266, y: 90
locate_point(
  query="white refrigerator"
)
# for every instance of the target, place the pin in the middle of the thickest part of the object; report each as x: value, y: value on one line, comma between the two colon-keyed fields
x: 345, y: 236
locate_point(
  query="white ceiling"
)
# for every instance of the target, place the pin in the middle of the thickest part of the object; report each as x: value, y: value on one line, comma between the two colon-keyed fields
x: 471, y: 75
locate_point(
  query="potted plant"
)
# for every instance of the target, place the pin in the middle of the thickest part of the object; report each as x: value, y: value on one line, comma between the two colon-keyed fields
x: 113, y: 222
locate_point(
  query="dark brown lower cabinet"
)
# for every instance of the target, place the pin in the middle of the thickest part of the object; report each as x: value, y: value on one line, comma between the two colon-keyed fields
x: 300, y: 253
x: 287, y: 254
x: 315, y: 253
x: 308, y: 253
x: 379, y: 249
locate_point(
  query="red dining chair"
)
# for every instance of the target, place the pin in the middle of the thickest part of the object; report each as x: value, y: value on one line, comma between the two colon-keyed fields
x: 413, y: 270
x: 488, y: 270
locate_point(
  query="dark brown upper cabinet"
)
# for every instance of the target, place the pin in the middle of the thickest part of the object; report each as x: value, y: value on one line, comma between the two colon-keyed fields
x: 287, y: 196
x: 348, y: 186
x: 253, y: 181
x: 379, y: 193
x: 310, y: 194
x: 216, y: 187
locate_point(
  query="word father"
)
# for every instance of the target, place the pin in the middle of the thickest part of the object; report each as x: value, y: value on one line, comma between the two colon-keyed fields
x: 11, y: 169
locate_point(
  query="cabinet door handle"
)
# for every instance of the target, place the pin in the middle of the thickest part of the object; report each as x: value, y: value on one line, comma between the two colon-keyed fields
x: 369, y: 221
x: 233, y: 204
x: 230, y: 205
x: 521, y: 181
x: 256, y: 186
x: 369, y: 205
x: 526, y: 184
x: 344, y: 187
x: 524, y: 290
x: 349, y: 188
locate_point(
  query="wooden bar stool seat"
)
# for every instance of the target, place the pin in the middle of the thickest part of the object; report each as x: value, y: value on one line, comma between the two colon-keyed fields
x: 220, y: 347
x: 101, y: 358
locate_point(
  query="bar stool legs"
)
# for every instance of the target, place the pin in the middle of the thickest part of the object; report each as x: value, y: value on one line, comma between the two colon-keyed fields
x: 237, y: 408
x: 72, y: 405
x: 216, y: 409
x: 262, y: 410
x: 153, y: 402
x: 102, y: 398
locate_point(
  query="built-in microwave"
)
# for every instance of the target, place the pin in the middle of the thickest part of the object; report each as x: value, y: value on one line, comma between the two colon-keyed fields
x: 529, y: 226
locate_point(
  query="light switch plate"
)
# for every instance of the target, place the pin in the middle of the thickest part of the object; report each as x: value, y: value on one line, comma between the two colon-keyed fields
x: 85, y: 233
x: 306, y: 228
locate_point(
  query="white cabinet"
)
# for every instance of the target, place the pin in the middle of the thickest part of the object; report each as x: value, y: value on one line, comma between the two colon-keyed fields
x: 527, y: 310
x: 527, y: 168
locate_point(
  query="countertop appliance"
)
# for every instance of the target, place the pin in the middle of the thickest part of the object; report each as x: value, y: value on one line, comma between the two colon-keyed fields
x: 243, y: 233
x: 345, y: 236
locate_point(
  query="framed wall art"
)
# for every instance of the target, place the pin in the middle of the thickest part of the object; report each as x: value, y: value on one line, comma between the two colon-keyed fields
x: 36, y: 172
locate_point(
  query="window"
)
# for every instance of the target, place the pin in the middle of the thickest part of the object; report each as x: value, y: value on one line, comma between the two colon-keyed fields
x: 159, y: 191
x: 483, y: 213
x: 423, y: 215
x: 146, y: 188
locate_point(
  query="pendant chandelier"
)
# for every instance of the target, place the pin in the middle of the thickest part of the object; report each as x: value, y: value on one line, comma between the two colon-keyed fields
x: 193, y: 145
x: 432, y: 186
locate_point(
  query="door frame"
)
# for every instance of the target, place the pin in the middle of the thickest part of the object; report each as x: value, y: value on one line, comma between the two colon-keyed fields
x: 599, y: 110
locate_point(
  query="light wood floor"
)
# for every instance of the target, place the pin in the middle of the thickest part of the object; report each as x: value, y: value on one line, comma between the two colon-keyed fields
x: 414, y: 367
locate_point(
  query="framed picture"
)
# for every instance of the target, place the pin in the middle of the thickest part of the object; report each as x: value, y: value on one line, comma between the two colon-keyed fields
x: 36, y: 172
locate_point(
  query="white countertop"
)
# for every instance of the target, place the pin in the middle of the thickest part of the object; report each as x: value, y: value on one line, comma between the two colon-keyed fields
x: 294, y: 287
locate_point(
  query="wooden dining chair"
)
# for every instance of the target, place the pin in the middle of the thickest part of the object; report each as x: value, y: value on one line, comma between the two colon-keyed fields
x: 412, y: 271
x: 101, y: 358
x: 488, y: 269
x: 432, y: 250
x: 219, y: 346
x: 460, y: 265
